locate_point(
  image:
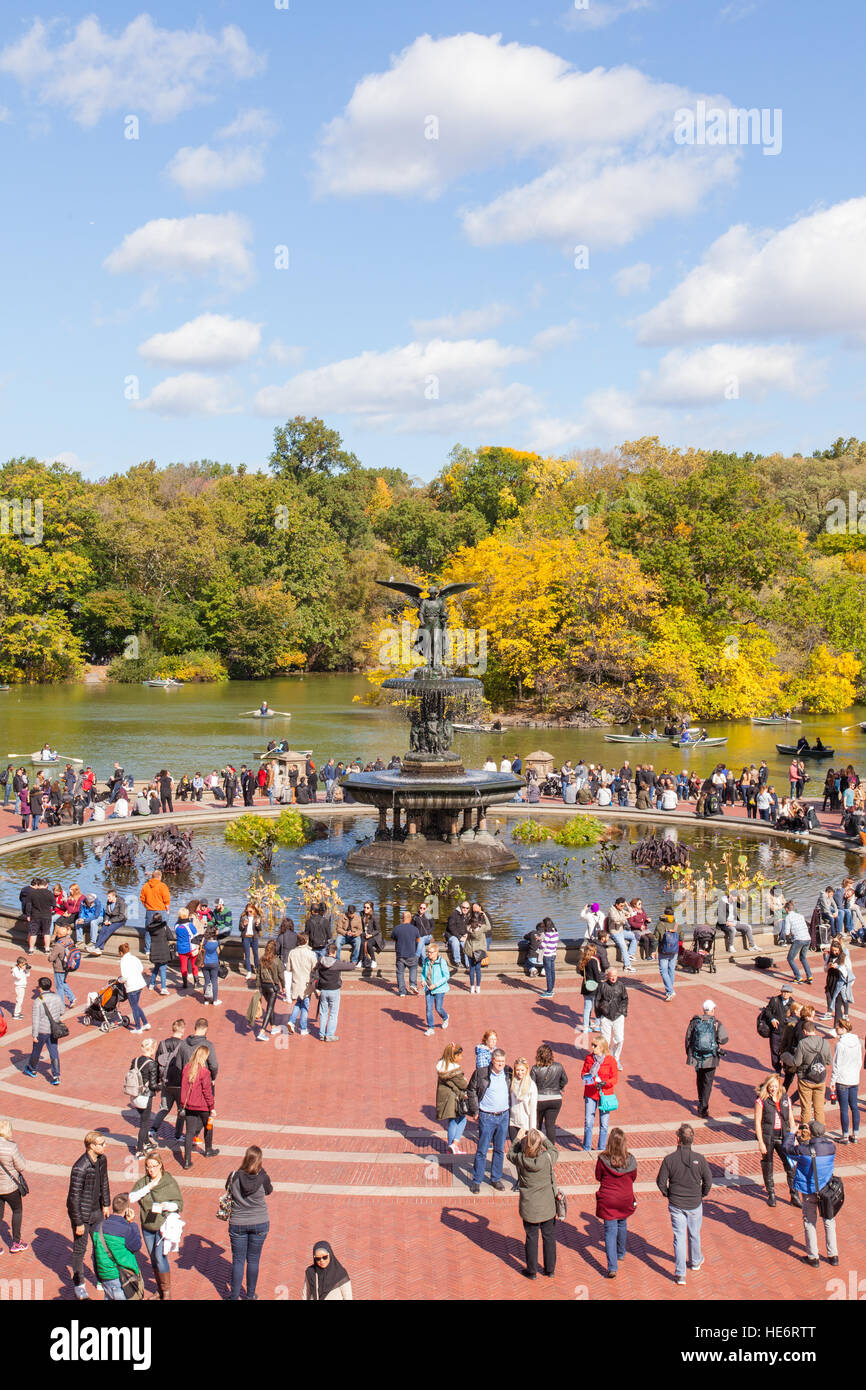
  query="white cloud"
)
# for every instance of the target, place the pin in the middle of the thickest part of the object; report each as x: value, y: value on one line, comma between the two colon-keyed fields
x: 603, y: 138
x: 211, y: 340
x: 199, y: 170
x: 597, y: 14
x: 205, y: 244
x: 633, y: 279
x: 191, y: 393
x: 286, y: 353
x: 494, y: 408
x: 146, y: 70
x: 808, y: 279
x: 725, y: 371
x: 254, y: 123
x: 550, y: 434
x: 466, y: 323
x: 67, y: 457
x: 556, y: 336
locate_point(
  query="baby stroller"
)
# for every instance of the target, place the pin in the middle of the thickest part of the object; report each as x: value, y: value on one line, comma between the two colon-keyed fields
x: 102, y: 1010
x: 704, y: 943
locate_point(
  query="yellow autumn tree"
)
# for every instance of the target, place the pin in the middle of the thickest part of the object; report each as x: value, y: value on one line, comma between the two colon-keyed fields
x: 827, y: 683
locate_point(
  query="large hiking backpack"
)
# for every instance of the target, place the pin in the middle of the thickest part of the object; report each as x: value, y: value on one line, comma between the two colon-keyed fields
x: 704, y: 1043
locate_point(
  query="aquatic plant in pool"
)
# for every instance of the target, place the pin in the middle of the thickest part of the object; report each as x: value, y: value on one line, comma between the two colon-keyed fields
x: 531, y: 832
x: 580, y: 831
x: 258, y: 838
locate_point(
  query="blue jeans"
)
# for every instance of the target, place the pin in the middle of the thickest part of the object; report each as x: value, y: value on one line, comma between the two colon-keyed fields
x: 687, y: 1229
x: 91, y: 927
x: 106, y: 930
x: 549, y: 973
x: 113, y: 1290
x: 158, y: 970
x: 246, y: 1243
x: 454, y: 949
x: 615, y: 1233
x: 847, y: 1096
x: 212, y: 977
x: 45, y: 1040
x: 423, y: 943
x: 439, y: 1001
x: 62, y: 988
x: 7, y: 793
x: 329, y: 1012
x: 158, y: 1257
x: 475, y: 972
x: 589, y: 1108
x: 627, y: 943
x: 492, y: 1129
x: 455, y: 1129
x: 401, y: 973
x: 587, y: 1010
x: 138, y: 1015
x: 667, y: 970
x: 149, y: 914
x: 36, y: 819
x: 354, y: 942
x: 300, y: 1011
x: 251, y: 948
x: 798, y: 952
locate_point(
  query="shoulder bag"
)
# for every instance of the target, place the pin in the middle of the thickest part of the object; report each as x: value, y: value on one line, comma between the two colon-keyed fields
x: 224, y: 1206
x: 18, y: 1178
x: 831, y: 1196
x: 558, y: 1197
x: 56, y: 1027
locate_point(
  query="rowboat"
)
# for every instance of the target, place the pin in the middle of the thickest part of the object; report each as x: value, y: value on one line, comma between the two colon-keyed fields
x: 789, y: 749
x: 38, y: 760
x: 4, y: 687
x: 634, y: 738
x: 478, y: 729
x: 777, y: 719
x: 698, y: 742
x: 163, y: 685
x: 266, y: 714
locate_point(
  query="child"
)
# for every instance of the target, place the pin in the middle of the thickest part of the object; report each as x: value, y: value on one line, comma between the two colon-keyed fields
x: 484, y: 1049
x: 20, y: 971
x: 533, y: 964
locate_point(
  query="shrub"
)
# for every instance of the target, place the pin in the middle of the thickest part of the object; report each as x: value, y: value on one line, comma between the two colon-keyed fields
x: 185, y: 666
x: 580, y: 831
x: 258, y: 838
x: 531, y: 832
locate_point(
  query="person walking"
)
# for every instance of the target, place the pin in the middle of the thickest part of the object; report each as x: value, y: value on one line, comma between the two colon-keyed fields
x: 405, y: 937
x: 327, y: 982
x: 611, y: 1006
x: 133, y: 979
x: 116, y: 1243
x: 88, y: 1202
x: 599, y: 1075
x: 46, y: 1025
x: 59, y: 955
x: 797, y: 932
x: 325, y: 1278
x: 549, y: 945
x: 271, y: 980
x: 302, y: 962
x: 158, y: 1196
x: 169, y: 1078
x: 249, y: 1188
x: 451, y: 1084
x: 839, y: 985
x: 813, y: 1156
x: 811, y: 1060
x: 160, y: 951
x: 684, y: 1178
x: 13, y: 1185
x: 773, y: 1123
x: 550, y: 1081
x: 436, y: 979
x: 487, y: 1097
x: 534, y: 1157
x: 845, y: 1079
x: 667, y: 939
x: 140, y: 1085
x: 771, y: 1023
x: 197, y: 1100
x: 705, y: 1038
x: 615, y: 1173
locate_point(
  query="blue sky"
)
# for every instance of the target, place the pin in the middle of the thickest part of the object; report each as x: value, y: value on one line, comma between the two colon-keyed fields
x: 431, y: 170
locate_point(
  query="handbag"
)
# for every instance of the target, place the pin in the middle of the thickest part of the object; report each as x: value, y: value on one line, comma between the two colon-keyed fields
x: 57, y: 1028
x: 831, y: 1197
x: 18, y: 1178
x: 607, y: 1103
x: 558, y: 1197
x: 224, y: 1206
x: 222, y: 970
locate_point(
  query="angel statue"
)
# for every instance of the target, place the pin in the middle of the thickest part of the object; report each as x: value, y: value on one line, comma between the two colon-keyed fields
x: 432, y: 617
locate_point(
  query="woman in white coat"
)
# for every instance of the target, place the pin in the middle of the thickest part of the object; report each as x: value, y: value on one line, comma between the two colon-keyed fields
x: 325, y: 1277
x: 845, y: 1079
x: 132, y: 976
x: 523, y: 1098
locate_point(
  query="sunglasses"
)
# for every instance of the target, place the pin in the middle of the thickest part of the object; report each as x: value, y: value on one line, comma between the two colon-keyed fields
x: 321, y: 1259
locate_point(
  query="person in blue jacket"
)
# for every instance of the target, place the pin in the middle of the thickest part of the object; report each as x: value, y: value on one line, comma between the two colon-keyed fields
x: 812, y: 1156
x: 90, y: 915
x: 436, y: 978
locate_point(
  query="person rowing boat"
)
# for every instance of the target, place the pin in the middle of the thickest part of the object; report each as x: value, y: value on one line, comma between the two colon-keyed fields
x: 263, y: 707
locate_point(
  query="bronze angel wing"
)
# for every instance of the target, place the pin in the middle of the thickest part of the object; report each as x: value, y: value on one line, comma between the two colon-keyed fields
x: 413, y: 591
x: 454, y: 589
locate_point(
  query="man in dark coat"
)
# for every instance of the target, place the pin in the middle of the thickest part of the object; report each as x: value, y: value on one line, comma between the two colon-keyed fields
x: 88, y: 1202
x: 775, y: 1015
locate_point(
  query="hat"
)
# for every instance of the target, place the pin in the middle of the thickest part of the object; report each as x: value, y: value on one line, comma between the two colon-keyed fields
x: 708, y: 1006
x: 787, y: 989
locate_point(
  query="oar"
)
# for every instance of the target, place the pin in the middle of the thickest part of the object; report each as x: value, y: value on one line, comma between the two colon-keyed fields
x: 842, y: 731
x: 67, y: 758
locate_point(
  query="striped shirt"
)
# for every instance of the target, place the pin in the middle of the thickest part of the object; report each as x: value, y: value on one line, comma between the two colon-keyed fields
x: 549, y: 942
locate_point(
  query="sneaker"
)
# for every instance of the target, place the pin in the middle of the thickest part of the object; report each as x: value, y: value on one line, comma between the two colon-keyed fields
x: 428, y: 1032
x: 93, y: 950
x: 290, y: 1027
x: 546, y: 994
x: 81, y: 1291
x: 304, y: 1033
x: 262, y: 1037
x: 445, y: 1022
x: 216, y: 1002
x: 250, y: 975
x: 145, y: 1027
x: 55, y: 1081
x: 852, y: 1138
x: 474, y: 1188
x: 695, y: 1268
x: 28, y: 1072
x: 831, y: 1259
x: 335, y: 1037
x: 18, y: 1247
x: 681, y: 1281
x: 136, y: 1030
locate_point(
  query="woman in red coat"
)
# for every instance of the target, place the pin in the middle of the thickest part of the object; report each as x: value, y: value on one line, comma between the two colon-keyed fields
x: 599, y: 1075
x: 615, y: 1173
x: 196, y: 1098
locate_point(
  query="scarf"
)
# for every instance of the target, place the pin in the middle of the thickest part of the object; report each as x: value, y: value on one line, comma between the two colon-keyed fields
x: 321, y: 1282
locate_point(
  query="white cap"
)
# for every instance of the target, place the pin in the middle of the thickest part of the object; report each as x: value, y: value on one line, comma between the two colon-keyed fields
x: 708, y: 1006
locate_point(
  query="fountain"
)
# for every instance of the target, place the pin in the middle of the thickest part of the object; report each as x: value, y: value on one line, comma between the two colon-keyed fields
x: 438, y: 810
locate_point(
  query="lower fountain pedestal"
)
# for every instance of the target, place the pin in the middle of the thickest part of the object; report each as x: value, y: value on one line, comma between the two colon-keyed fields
x: 479, y: 854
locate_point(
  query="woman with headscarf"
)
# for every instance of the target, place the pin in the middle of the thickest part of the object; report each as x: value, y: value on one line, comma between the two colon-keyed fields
x: 325, y: 1277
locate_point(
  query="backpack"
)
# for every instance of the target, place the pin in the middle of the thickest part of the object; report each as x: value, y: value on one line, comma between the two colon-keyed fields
x: 71, y: 959
x: 816, y: 1071
x: 704, y: 1042
x: 670, y: 944
x: 133, y: 1083
x: 164, y: 1053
